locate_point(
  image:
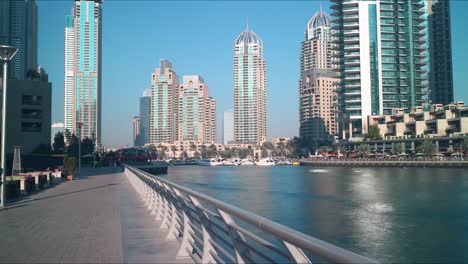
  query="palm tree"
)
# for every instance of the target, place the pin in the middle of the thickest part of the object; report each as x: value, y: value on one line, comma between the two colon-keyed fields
x: 193, y: 147
x: 399, y: 148
x: 363, y: 149
x: 173, y: 149
x: 428, y: 147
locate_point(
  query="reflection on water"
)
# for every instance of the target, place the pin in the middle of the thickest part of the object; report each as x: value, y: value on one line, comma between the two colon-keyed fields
x: 389, y: 214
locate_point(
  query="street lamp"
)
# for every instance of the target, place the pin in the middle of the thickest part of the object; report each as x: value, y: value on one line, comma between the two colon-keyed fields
x: 6, y: 55
x: 79, y: 125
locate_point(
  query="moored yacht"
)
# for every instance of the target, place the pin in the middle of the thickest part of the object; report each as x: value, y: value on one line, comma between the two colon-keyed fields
x: 265, y: 162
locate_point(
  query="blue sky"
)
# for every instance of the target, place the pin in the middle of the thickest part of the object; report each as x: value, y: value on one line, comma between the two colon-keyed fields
x: 197, y: 37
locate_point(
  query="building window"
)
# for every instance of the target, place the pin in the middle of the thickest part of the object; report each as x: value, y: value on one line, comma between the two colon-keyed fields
x: 31, y: 114
x: 31, y: 127
x: 32, y: 100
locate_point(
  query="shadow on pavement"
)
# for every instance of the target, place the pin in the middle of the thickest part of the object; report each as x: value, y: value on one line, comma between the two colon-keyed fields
x: 25, y: 202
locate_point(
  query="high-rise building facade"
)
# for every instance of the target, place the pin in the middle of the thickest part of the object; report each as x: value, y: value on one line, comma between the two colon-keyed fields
x: 382, y: 58
x: 228, y: 126
x: 250, y: 120
x: 318, y: 81
x: 18, y: 28
x: 440, y: 45
x: 196, y: 111
x: 83, y: 66
x: 145, y: 111
x: 136, y: 131
x: 164, y: 93
x: 69, y: 71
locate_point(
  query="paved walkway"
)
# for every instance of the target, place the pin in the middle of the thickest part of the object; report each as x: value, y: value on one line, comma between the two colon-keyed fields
x: 96, y: 219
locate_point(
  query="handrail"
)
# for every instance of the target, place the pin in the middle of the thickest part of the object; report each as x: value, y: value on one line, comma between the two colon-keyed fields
x: 165, y: 198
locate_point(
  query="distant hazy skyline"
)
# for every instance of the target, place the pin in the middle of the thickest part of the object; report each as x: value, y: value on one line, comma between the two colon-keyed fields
x: 197, y: 37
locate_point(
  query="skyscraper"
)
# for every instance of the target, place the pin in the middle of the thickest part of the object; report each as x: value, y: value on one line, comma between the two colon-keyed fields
x: 382, y: 50
x: 196, y: 111
x: 163, y: 116
x: 318, y: 80
x: 145, y: 110
x: 69, y: 71
x: 18, y: 28
x: 136, y: 131
x: 228, y: 126
x: 82, y: 100
x: 441, y: 73
x: 249, y: 89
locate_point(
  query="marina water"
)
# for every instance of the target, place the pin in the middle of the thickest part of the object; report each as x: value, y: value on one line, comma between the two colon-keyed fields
x: 388, y: 214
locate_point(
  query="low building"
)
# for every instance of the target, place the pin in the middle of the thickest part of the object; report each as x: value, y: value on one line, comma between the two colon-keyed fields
x: 439, y: 121
x: 283, y: 140
x: 28, y: 113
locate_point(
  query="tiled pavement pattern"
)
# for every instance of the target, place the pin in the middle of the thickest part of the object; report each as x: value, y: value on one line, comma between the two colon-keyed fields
x: 96, y: 219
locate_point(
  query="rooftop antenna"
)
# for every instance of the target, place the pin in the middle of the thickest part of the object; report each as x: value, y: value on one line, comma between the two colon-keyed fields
x: 247, y: 29
x: 321, y: 6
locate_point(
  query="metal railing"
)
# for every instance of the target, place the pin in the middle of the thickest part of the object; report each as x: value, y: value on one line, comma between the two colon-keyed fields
x: 212, y: 231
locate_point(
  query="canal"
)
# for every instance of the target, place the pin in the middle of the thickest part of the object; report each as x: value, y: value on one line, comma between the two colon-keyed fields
x: 388, y: 214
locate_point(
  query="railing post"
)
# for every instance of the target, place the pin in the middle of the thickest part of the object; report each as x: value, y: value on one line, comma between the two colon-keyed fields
x: 165, y: 219
x: 207, y: 247
x: 297, y: 254
x: 235, y: 237
x: 185, y: 246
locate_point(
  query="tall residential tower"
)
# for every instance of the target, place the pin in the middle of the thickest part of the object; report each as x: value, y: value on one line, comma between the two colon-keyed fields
x: 382, y: 59
x: 163, y: 116
x: 318, y: 80
x: 83, y: 69
x: 249, y: 89
x: 196, y: 111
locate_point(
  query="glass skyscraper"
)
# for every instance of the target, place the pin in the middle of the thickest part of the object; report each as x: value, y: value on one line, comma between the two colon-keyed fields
x: 441, y: 72
x: 382, y: 58
x: 83, y: 69
x: 145, y: 111
x: 249, y: 89
x: 163, y: 116
x: 18, y: 28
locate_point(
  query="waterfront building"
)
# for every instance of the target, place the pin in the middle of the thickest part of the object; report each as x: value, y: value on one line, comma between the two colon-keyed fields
x: 56, y: 128
x: 439, y: 121
x: 29, y: 113
x: 163, y: 115
x: 196, y: 111
x: 145, y: 111
x: 82, y: 100
x: 228, y: 126
x: 318, y: 82
x: 136, y: 131
x: 381, y: 54
x: 249, y: 89
x: 441, y: 72
x: 281, y: 140
x: 18, y: 28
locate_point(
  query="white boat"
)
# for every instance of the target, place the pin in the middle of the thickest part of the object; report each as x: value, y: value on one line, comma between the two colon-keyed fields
x: 246, y: 162
x: 265, y: 162
x: 207, y: 162
x: 236, y: 161
x: 215, y: 162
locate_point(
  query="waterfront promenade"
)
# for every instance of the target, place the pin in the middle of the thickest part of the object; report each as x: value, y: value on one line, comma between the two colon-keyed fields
x: 96, y: 219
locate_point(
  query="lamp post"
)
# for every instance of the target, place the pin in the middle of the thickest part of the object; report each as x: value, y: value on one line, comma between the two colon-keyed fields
x: 6, y: 55
x: 79, y: 126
